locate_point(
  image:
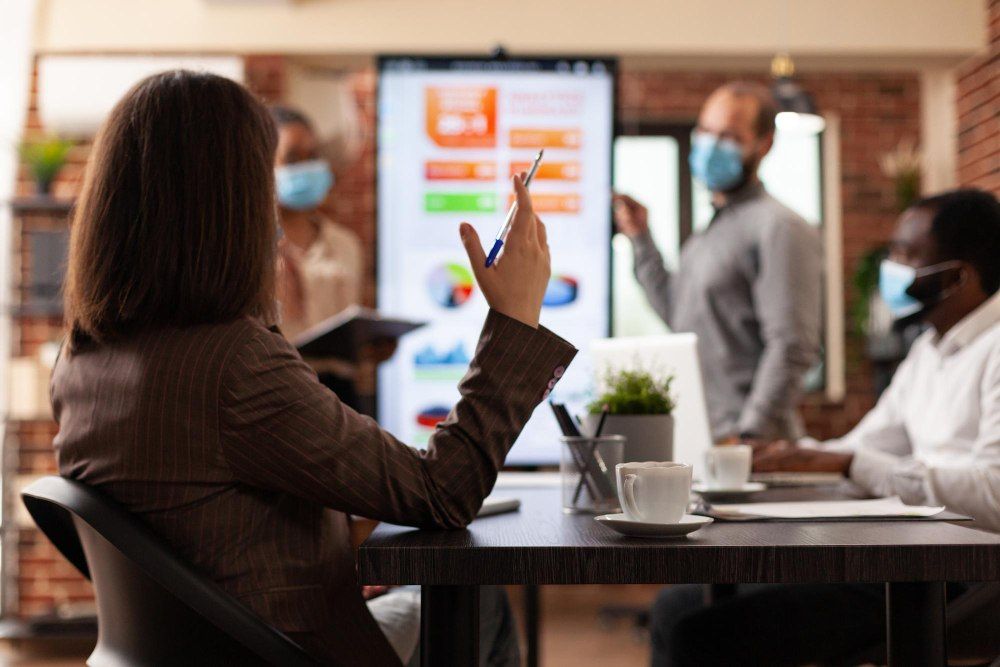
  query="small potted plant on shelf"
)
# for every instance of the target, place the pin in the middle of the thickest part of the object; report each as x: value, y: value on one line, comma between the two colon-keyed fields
x: 640, y: 407
x: 44, y: 158
x: 903, y: 166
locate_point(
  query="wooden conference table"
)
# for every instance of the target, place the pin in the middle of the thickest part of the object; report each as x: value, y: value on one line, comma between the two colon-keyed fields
x: 542, y: 545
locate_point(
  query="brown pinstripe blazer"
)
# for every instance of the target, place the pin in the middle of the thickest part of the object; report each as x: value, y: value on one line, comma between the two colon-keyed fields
x: 224, y: 442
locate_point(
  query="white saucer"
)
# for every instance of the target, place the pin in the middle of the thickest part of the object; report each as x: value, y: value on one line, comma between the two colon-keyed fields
x: 619, y: 522
x: 709, y: 492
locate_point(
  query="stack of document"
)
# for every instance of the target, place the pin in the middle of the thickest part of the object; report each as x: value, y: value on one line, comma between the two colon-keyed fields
x: 878, y: 508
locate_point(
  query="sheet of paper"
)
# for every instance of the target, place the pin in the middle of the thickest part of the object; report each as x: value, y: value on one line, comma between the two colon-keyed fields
x: 529, y: 479
x: 833, y: 509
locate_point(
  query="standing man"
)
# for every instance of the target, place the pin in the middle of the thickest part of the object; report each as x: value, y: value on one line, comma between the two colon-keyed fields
x: 750, y: 285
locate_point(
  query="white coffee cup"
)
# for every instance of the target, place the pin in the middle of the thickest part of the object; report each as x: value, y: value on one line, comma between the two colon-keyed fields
x: 654, y: 492
x: 728, y: 466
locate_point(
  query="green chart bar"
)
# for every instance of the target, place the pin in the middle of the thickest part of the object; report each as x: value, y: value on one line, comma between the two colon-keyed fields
x: 460, y: 202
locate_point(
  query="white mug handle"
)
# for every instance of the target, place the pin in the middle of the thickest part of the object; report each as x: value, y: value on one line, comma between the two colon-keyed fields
x: 710, y: 465
x: 628, y: 496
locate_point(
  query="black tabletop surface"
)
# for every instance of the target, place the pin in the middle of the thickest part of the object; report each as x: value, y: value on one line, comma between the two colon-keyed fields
x: 541, y: 544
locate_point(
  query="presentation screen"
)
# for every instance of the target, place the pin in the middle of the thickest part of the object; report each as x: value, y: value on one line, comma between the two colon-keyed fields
x: 451, y: 132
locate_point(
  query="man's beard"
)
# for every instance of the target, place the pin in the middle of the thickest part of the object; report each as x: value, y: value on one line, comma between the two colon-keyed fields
x: 749, y: 171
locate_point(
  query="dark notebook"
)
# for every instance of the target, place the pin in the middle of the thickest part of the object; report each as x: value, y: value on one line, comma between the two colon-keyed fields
x: 343, y: 335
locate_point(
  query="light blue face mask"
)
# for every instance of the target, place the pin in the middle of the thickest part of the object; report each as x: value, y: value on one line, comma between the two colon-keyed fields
x: 895, y: 280
x: 303, y: 186
x: 718, y: 163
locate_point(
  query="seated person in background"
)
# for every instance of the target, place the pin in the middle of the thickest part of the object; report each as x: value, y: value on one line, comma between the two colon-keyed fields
x: 176, y: 396
x: 933, y: 438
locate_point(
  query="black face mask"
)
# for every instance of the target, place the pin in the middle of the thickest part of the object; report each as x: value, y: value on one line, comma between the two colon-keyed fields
x: 932, y: 289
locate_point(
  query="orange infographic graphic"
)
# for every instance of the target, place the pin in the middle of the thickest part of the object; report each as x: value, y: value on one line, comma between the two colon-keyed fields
x: 538, y: 138
x: 553, y: 203
x: 550, y: 171
x: 460, y: 170
x: 462, y: 116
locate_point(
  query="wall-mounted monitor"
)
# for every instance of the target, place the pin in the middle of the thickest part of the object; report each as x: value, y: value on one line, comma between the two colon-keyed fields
x: 451, y: 131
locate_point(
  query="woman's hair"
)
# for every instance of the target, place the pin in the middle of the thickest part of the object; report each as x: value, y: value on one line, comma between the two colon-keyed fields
x: 176, y: 222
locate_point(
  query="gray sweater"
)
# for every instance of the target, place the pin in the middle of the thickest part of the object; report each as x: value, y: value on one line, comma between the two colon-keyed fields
x: 750, y: 287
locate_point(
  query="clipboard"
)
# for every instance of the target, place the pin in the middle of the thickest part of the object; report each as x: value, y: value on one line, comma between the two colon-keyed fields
x: 343, y: 335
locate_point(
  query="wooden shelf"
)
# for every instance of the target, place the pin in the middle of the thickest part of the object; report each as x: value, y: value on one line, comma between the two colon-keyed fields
x: 41, y: 204
x: 50, y: 627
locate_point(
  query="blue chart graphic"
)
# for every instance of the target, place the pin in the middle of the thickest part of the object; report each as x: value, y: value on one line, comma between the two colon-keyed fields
x: 562, y: 291
x: 429, y: 356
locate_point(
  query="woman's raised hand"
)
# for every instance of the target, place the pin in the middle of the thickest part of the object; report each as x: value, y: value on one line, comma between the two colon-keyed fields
x: 515, y: 284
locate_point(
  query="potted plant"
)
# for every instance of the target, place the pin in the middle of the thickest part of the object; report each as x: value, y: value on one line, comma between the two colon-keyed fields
x: 640, y: 407
x: 44, y: 158
x: 902, y: 165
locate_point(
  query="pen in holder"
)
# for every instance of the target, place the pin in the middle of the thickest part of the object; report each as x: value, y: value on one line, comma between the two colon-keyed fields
x: 587, y: 465
x: 587, y: 472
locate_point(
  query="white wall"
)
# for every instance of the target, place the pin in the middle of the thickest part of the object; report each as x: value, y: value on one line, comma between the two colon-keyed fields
x: 75, y: 93
x: 948, y: 29
x: 938, y: 129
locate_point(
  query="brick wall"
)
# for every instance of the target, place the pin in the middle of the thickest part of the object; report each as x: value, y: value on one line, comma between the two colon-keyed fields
x: 979, y: 112
x: 876, y: 111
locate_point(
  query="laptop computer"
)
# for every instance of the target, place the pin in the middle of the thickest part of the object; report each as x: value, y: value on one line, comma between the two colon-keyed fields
x: 665, y: 353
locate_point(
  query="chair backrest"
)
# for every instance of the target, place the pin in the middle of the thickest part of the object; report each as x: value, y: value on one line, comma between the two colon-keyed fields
x: 973, y: 631
x: 152, y: 608
x: 974, y: 624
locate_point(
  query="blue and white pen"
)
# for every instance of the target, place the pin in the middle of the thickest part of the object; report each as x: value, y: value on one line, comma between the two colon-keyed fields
x: 502, y: 234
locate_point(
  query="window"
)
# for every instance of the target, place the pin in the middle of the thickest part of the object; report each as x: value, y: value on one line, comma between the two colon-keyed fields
x: 651, y: 166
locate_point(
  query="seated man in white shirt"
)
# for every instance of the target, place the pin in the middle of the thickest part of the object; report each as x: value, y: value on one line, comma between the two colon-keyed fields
x: 932, y: 439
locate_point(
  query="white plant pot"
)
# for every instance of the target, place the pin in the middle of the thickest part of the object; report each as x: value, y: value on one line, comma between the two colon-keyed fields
x: 647, y: 437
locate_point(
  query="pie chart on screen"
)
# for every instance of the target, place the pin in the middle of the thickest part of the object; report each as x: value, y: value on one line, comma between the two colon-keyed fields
x: 450, y: 285
x: 433, y: 415
x: 561, y: 291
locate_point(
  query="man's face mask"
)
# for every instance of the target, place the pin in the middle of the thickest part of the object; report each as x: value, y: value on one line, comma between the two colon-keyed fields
x: 716, y: 162
x: 898, y: 286
x: 303, y: 186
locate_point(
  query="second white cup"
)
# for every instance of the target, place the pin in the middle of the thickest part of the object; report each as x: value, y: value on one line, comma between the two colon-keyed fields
x: 653, y: 491
x: 728, y: 466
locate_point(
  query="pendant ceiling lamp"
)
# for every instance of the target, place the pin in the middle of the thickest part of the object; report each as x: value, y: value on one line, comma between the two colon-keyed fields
x: 797, y: 110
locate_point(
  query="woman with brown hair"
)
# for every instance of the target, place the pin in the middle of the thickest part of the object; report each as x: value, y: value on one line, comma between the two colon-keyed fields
x: 177, y: 397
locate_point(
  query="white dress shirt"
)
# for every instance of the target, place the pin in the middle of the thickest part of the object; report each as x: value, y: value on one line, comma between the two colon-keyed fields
x: 934, y: 436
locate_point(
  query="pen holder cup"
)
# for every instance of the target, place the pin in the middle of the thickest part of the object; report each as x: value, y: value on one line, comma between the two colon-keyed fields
x: 587, y: 472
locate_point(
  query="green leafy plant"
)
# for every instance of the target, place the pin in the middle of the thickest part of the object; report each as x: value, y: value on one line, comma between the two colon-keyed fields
x: 635, y: 392
x: 865, y: 283
x: 44, y: 158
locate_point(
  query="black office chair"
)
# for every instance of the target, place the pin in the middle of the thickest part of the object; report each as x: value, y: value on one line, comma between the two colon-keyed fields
x: 972, y: 631
x: 152, y: 608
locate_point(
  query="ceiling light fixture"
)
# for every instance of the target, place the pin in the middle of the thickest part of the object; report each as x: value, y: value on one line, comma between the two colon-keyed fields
x: 797, y: 110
